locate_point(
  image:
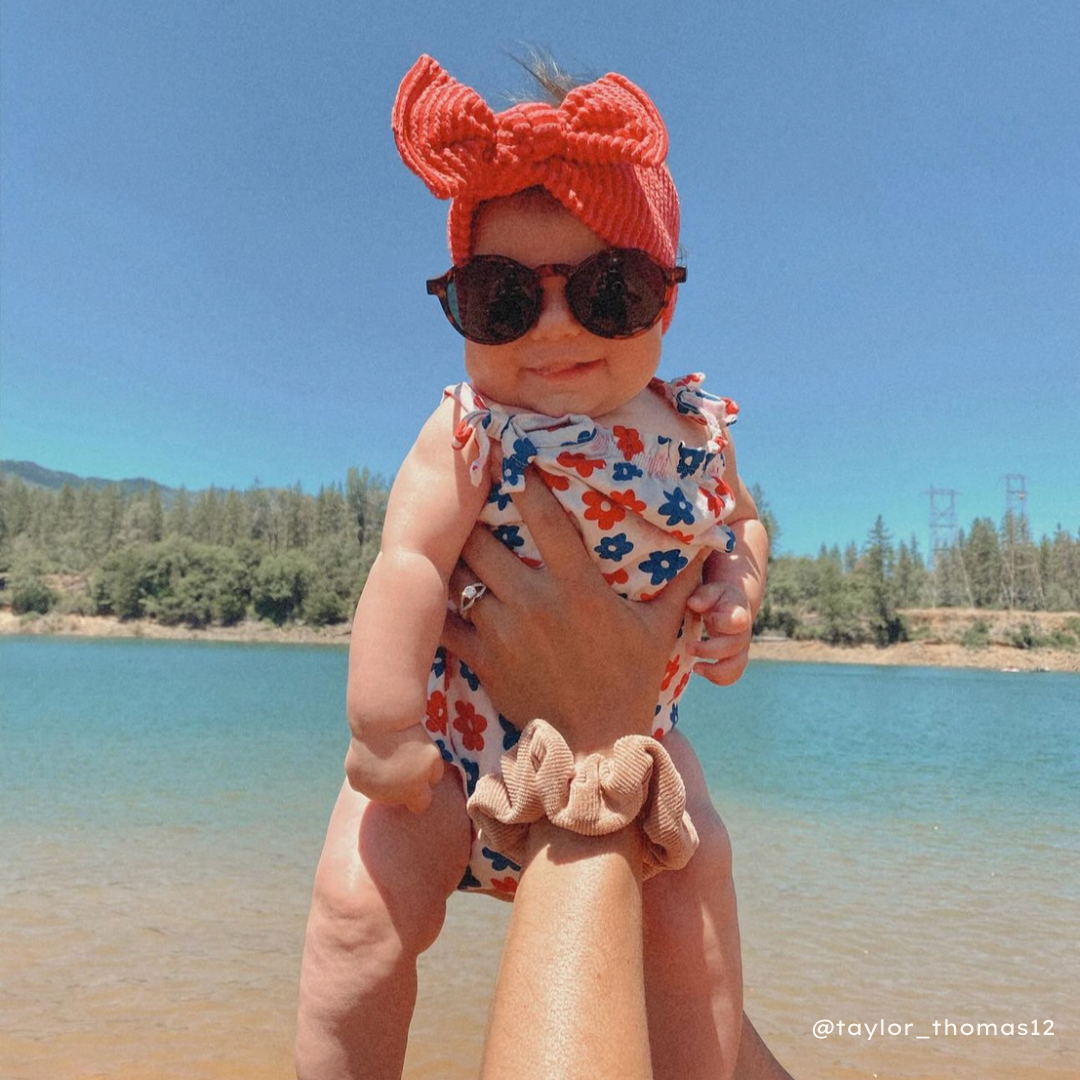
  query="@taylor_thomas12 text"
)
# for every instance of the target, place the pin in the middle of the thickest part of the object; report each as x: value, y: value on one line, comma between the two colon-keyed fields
x: 823, y: 1029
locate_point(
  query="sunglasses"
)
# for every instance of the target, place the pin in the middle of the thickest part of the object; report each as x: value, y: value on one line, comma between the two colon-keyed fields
x: 617, y: 293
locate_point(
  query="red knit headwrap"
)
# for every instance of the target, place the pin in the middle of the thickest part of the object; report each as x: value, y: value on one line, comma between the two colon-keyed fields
x: 600, y: 153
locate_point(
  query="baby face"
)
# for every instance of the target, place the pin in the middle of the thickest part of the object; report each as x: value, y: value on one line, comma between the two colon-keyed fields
x: 558, y: 366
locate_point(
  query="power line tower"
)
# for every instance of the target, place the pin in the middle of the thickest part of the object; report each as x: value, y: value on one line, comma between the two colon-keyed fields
x: 1021, y: 581
x: 948, y: 574
x: 1016, y: 495
x: 942, y: 520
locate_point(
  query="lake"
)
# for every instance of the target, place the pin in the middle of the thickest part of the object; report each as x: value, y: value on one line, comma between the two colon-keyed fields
x: 905, y: 851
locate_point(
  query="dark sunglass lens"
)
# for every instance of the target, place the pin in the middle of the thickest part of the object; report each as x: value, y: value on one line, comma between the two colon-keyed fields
x: 618, y: 293
x: 493, y: 300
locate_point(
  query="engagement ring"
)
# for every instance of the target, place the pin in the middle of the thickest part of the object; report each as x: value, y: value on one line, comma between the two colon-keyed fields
x: 470, y: 595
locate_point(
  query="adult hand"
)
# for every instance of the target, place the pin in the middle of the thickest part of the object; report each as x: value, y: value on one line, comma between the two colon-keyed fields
x: 557, y: 641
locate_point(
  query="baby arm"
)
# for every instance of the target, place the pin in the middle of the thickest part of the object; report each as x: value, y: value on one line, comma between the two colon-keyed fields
x: 433, y: 507
x: 732, y: 588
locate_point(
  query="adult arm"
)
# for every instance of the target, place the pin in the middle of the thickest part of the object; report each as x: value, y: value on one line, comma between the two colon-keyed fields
x: 532, y: 641
x: 570, y: 997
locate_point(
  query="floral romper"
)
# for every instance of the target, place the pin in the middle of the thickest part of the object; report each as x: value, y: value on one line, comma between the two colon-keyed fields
x: 644, y: 504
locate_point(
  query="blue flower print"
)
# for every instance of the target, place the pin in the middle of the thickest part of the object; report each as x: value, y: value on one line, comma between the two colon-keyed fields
x: 469, y: 676
x: 614, y: 547
x: 656, y: 711
x: 687, y: 407
x: 499, y: 497
x: 663, y: 440
x: 690, y: 460
x: 468, y: 881
x: 674, y: 714
x: 510, y: 535
x: 730, y: 545
x: 663, y: 565
x: 582, y: 437
x: 499, y: 863
x: 677, y: 508
x: 514, y: 465
x: 472, y: 774
x: 446, y: 755
x: 510, y: 733
x: 625, y: 470
x: 438, y: 666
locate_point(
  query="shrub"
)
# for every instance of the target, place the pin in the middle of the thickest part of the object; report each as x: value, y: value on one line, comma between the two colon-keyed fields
x: 323, y: 607
x: 977, y: 635
x: 118, y: 587
x: 31, y: 595
x: 77, y: 603
x: 1027, y: 637
x: 281, y: 584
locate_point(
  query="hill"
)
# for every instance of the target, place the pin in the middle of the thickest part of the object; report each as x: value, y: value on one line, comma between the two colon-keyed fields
x: 34, y: 475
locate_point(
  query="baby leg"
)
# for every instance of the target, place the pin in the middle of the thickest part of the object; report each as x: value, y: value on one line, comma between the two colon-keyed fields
x: 693, y: 968
x: 379, y: 901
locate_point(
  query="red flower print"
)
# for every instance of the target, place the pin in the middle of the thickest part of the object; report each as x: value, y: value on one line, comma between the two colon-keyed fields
x: 647, y: 596
x: 436, y: 712
x: 506, y: 885
x: 627, y: 500
x: 670, y: 672
x: 682, y: 684
x: 689, y: 380
x: 628, y: 440
x: 534, y: 563
x: 585, y: 465
x: 719, y: 501
x: 686, y: 538
x: 556, y: 483
x: 603, y: 509
x: 463, y: 434
x: 658, y: 734
x: 470, y: 723
x: 617, y: 577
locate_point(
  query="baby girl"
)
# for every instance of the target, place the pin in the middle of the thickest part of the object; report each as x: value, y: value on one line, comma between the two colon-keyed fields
x: 563, y: 231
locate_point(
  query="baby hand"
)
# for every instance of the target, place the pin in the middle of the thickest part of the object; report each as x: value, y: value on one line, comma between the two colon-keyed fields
x: 395, y: 767
x: 726, y: 613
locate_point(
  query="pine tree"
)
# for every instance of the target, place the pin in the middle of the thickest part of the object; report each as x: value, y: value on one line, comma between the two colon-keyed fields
x: 877, y: 571
x: 982, y: 563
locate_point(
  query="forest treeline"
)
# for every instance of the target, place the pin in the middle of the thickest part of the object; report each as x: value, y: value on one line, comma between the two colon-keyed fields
x: 218, y: 556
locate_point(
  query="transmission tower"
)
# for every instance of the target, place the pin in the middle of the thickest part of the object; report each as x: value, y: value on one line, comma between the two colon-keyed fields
x: 942, y: 520
x: 1016, y: 495
x: 1021, y: 580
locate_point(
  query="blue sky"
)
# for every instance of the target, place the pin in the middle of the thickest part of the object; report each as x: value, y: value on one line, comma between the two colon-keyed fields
x: 213, y: 260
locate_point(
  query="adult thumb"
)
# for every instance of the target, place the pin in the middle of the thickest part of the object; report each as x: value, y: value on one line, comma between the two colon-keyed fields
x: 670, y: 606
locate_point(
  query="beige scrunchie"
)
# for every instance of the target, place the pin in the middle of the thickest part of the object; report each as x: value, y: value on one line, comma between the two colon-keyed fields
x: 598, y: 796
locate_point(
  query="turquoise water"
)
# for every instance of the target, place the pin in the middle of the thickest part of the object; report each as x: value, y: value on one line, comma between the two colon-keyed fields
x: 905, y: 842
x: 137, y: 732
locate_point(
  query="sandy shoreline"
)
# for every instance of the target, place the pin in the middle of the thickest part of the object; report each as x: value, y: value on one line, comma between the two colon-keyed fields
x: 937, y: 651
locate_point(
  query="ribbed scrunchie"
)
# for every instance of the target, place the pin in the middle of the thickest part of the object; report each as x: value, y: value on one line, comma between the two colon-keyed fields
x: 598, y: 796
x: 600, y: 153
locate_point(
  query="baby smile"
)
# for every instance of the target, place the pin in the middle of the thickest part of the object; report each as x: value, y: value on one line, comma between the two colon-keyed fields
x: 561, y: 369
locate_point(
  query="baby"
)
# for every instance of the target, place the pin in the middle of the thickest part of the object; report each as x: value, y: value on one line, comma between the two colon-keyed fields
x: 563, y: 230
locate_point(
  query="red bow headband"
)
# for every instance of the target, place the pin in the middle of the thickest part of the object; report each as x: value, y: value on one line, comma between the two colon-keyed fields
x: 600, y: 153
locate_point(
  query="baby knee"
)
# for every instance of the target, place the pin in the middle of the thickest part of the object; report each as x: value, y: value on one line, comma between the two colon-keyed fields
x: 355, y: 916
